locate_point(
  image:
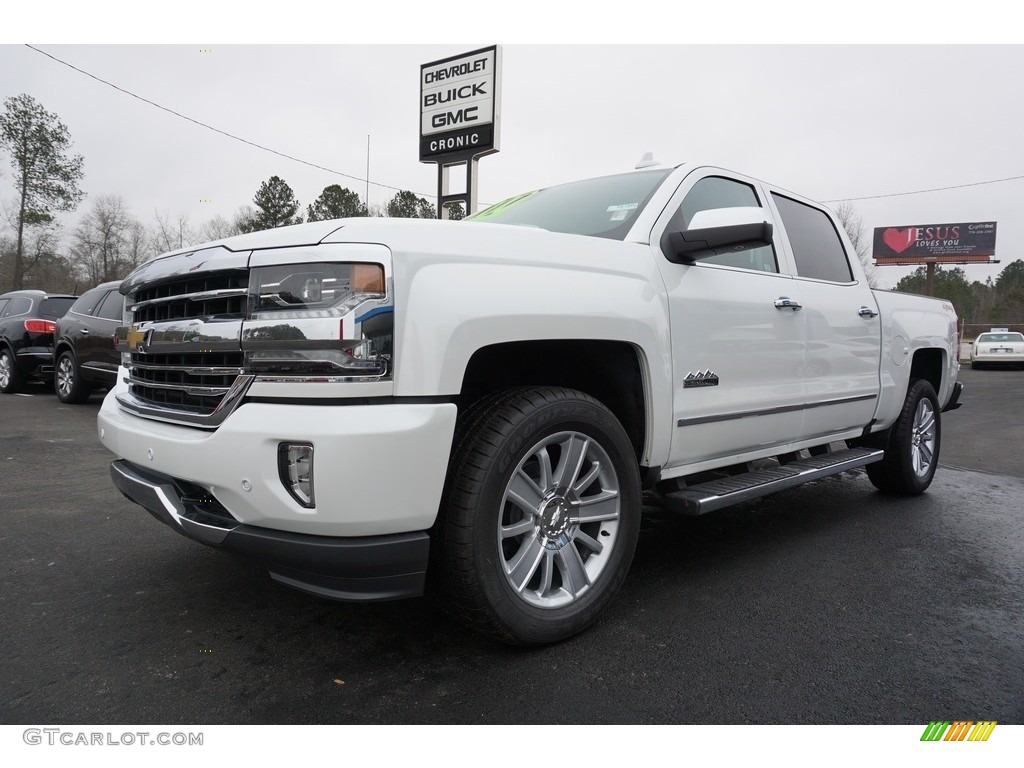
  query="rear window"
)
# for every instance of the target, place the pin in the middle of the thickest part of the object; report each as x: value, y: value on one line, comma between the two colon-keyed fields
x: 989, y: 338
x: 56, y: 308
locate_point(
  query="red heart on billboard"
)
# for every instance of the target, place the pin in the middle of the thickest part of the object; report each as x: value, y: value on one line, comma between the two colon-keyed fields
x: 899, y: 240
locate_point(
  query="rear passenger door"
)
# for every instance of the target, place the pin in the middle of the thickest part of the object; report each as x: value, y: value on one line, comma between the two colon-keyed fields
x: 843, y: 329
x: 96, y: 346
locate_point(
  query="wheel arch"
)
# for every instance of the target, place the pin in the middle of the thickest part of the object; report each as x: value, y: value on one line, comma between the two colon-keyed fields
x: 928, y: 364
x: 612, y: 372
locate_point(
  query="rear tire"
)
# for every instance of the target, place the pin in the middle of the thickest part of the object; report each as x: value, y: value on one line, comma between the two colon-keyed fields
x: 10, y: 378
x: 540, y: 515
x: 68, y: 381
x: 912, y: 449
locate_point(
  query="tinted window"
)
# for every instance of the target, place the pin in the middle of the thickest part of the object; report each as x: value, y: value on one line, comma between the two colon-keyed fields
x: 88, y: 301
x: 112, y: 306
x: 3, y: 305
x: 715, y: 192
x: 817, y: 249
x: 603, y: 207
x: 19, y: 305
x: 56, y: 307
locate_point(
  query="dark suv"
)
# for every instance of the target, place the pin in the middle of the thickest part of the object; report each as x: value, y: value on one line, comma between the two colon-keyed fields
x: 27, y: 319
x: 84, y: 355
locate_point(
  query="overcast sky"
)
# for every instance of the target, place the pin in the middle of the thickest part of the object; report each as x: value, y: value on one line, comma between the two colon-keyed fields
x: 831, y: 122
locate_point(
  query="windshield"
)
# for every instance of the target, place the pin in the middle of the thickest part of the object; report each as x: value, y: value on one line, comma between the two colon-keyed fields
x: 604, y: 207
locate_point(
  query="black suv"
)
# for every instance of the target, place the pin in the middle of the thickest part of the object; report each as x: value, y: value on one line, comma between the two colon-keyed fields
x: 84, y: 356
x: 27, y: 319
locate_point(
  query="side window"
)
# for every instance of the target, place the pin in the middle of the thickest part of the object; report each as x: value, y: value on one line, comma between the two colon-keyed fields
x: 19, y: 305
x: 112, y: 306
x: 716, y: 192
x: 817, y: 249
x: 3, y: 306
x: 86, y: 304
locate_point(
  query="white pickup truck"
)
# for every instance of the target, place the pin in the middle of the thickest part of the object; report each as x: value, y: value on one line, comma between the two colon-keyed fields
x: 376, y: 408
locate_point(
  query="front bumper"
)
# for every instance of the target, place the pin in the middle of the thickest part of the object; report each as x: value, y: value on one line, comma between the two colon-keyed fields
x: 365, y: 568
x: 379, y: 469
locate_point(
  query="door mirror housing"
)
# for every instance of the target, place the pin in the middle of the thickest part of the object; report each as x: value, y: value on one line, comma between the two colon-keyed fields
x: 718, y: 231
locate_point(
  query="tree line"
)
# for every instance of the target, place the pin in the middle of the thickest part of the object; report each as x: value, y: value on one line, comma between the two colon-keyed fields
x: 108, y: 240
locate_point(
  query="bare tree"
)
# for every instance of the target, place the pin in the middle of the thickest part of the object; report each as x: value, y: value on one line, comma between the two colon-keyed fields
x: 171, y: 235
x: 219, y: 228
x: 108, y: 242
x: 860, y: 238
x: 244, y: 219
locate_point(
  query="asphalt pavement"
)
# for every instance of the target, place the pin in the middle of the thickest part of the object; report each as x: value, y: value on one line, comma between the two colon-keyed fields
x: 830, y: 603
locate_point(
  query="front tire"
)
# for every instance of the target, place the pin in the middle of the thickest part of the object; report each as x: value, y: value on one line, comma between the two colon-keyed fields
x: 540, y: 515
x: 912, y: 449
x: 67, y: 380
x: 10, y: 378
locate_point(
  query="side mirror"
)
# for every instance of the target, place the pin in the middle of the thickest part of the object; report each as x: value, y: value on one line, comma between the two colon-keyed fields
x: 718, y: 231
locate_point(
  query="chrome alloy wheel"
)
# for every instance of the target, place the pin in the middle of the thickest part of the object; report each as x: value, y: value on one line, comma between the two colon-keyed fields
x: 559, y: 519
x: 5, y: 371
x: 65, y: 376
x: 922, y: 445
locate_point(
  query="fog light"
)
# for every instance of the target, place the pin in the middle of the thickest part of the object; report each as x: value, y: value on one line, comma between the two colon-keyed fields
x: 295, y: 467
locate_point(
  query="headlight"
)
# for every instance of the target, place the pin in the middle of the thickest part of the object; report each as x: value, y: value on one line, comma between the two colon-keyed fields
x: 313, y: 290
x: 319, y: 320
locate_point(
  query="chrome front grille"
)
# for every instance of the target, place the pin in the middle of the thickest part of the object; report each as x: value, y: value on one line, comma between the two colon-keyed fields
x: 186, y: 356
x: 211, y: 295
x: 195, y: 382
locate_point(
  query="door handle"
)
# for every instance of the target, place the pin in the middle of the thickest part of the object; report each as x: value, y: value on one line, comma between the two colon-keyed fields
x: 867, y: 312
x: 85, y: 331
x: 784, y: 302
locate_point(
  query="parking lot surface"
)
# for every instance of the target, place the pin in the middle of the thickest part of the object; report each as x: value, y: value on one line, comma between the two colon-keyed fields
x: 830, y: 603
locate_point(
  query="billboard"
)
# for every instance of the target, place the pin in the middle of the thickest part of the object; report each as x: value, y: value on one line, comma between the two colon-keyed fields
x: 965, y: 243
x: 459, y: 104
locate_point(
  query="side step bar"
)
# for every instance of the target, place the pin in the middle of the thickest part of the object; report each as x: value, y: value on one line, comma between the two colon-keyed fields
x: 716, y: 494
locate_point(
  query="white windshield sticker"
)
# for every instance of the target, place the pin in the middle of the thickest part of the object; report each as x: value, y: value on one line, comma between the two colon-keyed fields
x: 623, y: 207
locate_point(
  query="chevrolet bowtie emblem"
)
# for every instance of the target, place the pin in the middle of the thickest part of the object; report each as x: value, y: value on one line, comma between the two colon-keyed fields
x: 137, y: 339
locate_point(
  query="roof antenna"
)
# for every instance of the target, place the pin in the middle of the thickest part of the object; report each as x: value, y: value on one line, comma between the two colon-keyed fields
x: 646, y: 161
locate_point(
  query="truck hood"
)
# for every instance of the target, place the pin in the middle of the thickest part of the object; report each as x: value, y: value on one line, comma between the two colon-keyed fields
x: 418, y: 239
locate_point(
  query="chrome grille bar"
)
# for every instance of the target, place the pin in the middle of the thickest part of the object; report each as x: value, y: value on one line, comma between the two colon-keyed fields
x: 198, y: 296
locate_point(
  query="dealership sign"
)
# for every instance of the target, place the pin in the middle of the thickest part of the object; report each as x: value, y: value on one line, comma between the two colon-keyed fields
x: 459, y: 105
x: 968, y: 243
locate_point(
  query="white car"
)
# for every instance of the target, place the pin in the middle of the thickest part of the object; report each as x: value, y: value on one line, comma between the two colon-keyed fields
x: 998, y: 348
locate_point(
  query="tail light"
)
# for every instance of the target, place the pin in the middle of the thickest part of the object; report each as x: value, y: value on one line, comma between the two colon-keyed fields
x: 40, y: 326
